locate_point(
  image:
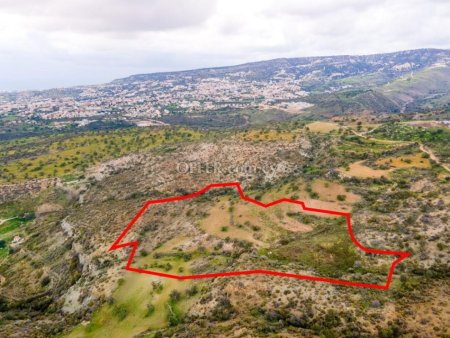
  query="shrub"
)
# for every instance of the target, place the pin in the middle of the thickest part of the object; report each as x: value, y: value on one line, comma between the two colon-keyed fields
x: 157, y: 286
x: 331, y: 319
x: 45, y: 281
x: 150, y: 310
x: 192, y: 291
x: 223, y: 309
x: 175, y: 296
x: 120, y: 311
x: 341, y: 197
x: 314, y: 195
x: 391, y: 331
x: 173, y: 316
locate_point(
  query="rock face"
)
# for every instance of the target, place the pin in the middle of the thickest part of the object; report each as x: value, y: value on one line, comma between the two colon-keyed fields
x: 67, y: 228
x: 47, y: 208
x: 12, y: 192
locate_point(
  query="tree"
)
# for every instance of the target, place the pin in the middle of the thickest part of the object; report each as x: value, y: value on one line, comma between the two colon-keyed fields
x: 175, y: 296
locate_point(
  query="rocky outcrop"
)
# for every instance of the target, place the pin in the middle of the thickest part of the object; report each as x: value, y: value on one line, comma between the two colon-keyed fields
x: 12, y: 192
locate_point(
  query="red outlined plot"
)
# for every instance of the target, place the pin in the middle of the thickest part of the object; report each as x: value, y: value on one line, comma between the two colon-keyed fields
x: 117, y: 245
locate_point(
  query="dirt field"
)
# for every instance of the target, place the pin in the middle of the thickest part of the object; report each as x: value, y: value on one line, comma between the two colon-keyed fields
x: 329, y: 191
x: 322, y: 127
x: 243, y: 220
x: 222, y: 222
x: 405, y: 161
x: 358, y: 169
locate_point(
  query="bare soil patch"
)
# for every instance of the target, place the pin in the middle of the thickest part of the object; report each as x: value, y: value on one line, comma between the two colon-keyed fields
x: 322, y: 127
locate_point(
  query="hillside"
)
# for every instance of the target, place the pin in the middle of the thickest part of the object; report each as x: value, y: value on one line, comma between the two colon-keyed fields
x: 319, y: 69
x: 413, y: 91
x: 57, y: 277
x: 396, y: 79
x: 364, y: 138
x: 242, y: 95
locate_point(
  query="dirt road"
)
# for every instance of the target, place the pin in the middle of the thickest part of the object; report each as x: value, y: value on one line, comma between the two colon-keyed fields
x: 6, y: 220
x: 434, y: 157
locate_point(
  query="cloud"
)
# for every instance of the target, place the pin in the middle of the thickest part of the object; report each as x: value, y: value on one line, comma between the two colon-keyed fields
x: 89, y: 16
x: 54, y: 43
x: 319, y: 7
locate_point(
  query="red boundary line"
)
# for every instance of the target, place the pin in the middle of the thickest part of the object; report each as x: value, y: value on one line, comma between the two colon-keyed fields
x: 135, y: 244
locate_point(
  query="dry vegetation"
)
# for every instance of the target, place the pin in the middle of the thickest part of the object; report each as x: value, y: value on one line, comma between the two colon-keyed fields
x: 60, y: 280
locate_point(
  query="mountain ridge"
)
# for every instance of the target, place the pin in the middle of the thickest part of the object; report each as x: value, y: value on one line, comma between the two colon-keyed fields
x: 143, y: 76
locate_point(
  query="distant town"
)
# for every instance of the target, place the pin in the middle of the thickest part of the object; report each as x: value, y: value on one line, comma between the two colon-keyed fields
x: 148, y: 100
x: 407, y: 81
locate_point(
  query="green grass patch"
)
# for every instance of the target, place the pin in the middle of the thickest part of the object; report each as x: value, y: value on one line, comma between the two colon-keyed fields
x: 15, y: 223
x: 328, y: 249
x: 4, y: 247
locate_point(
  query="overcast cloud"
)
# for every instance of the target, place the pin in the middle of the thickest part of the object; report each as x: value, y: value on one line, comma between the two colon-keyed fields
x: 54, y: 43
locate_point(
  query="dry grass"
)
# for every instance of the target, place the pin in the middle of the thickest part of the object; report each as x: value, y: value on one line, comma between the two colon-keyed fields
x: 322, y: 127
x: 244, y: 220
x: 405, y: 161
x: 327, y: 196
x: 358, y: 169
x: 329, y: 191
x: 222, y: 223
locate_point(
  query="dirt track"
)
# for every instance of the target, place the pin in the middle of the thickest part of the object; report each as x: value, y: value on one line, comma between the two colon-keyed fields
x: 434, y: 157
